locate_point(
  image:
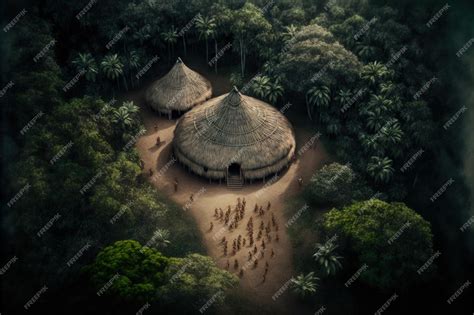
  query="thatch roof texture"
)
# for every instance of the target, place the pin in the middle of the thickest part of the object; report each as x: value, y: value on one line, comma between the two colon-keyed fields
x: 234, y: 128
x: 179, y: 90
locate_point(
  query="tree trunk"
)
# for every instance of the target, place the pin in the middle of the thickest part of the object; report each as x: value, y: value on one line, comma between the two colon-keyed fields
x: 241, y: 57
x: 207, y: 50
x: 184, y: 45
x: 215, y: 61
x: 125, y: 83
x: 307, y: 108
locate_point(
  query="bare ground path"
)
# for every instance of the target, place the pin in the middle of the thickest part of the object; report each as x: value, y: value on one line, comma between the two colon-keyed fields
x: 209, y: 196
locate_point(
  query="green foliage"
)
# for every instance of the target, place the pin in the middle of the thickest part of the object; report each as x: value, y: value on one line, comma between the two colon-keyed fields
x: 305, y: 285
x: 142, y: 274
x: 194, y: 279
x: 326, y: 258
x: 140, y: 271
x: 298, y: 65
x: 369, y: 230
x: 335, y: 184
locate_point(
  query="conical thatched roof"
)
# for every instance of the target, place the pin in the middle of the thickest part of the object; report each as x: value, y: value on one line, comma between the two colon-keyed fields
x: 234, y: 128
x: 179, y: 90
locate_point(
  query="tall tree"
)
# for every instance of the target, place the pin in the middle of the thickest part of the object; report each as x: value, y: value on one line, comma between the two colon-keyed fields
x: 206, y: 27
x: 112, y: 67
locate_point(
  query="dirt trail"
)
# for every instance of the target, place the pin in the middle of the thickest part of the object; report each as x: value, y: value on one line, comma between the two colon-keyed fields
x: 209, y: 196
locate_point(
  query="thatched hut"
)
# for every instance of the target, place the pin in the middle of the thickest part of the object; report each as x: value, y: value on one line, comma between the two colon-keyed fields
x: 236, y: 137
x: 178, y: 91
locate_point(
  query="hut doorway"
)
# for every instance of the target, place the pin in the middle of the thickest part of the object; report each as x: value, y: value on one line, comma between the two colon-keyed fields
x: 234, y: 176
x: 234, y: 169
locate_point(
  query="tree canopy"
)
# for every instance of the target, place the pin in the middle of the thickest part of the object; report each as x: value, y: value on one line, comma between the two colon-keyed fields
x: 392, y: 239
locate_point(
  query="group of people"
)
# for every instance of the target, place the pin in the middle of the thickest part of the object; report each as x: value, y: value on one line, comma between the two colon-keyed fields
x: 256, y: 239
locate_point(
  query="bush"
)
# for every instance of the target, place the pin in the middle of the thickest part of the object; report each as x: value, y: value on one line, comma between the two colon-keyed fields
x: 390, y: 238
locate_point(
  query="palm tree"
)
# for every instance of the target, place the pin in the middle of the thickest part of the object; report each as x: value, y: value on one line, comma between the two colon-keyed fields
x: 161, y: 238
x: 386, y: 88
x: 319, y: 96
x: 304, y: 285
x: 275, y: 90
x: 87, y: 63
x: 260, y: 86
x: 143, y: 34
x: 326, y: 258
x: 371, y: 144
x: 133, y: 63
x: 206, y: 27
x: 380, y: 102
x: 170, y: 37
x: 130, y: 107
x: 366, y: 51
x: 121, y: 116
x: 112, y: 67
x: 344, y: 97
x: 290, y: 32
x: 333, y: 126
x: 373, y: 72
x: 392, y: 133
x: 380, y: 168
x: 376, y: 119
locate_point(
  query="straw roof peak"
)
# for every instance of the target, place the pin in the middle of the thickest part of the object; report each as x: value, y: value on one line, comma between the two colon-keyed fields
x: 180, y: 89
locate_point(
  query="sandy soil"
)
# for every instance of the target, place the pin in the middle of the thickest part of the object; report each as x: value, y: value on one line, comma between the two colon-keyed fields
x: 208, y: 196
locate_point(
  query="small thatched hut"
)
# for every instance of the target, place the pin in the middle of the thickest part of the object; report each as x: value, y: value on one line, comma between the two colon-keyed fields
x: 179, y: 90
x: 234, y: 136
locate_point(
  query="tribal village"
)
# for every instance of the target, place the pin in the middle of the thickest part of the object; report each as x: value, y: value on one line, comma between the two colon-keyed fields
x: 230, y: 157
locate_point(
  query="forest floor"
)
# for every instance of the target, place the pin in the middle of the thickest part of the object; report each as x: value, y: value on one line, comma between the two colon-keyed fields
x: 208, y: 196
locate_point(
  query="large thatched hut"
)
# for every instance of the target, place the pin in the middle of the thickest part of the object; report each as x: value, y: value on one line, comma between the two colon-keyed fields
x: 178, y: 91
x: 234, y: 137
